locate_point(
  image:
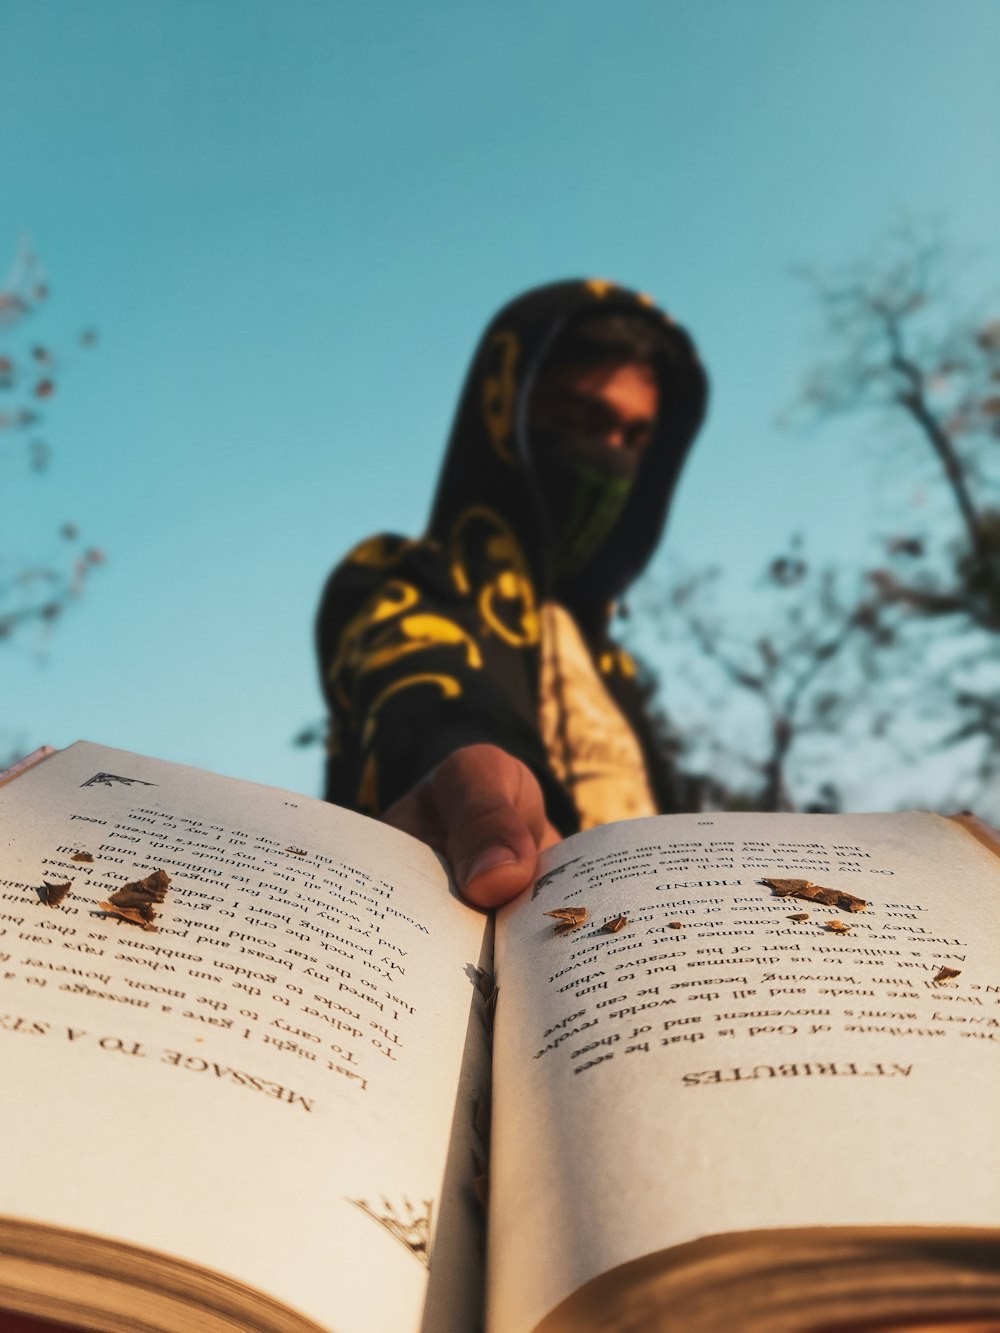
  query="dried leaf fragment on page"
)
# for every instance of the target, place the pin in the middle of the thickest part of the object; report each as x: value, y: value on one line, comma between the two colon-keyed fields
x: 798, y: 916
x: 675, y: 925
x: 296, y: 851
x: 53, y: 894
x: 576, y: 915
x: 947, y: 973
x: 568, y: 918
x: 788, y: 887
x: 848, y: 903
x: 616, y: 924
x: 484, y: 982
x: 142, y: 892
x: 838, y: 927
x: 135, y: 901
x: 140, y: 916
x: 82, y: 856
x: 816, y: 893
x: 490, y: 1010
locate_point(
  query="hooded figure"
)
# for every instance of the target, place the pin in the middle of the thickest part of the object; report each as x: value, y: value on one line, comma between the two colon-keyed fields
x: 580, y: 405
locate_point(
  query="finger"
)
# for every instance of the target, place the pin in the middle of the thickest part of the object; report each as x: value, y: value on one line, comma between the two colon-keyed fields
x: 414, y: 813
x: 405, y: 814
x: 493, y: 814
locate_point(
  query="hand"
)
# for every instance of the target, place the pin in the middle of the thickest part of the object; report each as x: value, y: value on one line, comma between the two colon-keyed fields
x: 484, y: 810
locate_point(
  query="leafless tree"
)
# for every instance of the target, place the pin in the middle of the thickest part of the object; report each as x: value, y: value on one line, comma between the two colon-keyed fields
x: 39, y: 584
x: 33, y: 591
x: 902, y: 655
x: 753, y: 714
x: 897, y: 352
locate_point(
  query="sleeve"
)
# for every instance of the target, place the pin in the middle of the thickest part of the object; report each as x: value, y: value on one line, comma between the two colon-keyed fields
x: 410, y: 675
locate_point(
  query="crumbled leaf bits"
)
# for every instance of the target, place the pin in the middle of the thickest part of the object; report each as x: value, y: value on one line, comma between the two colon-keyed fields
x: 815, y: 893
x: 490, y: 1010
x: 789, y: 888
x: 139, y: 916
x: 82, y: 856
x: 484, y: 982
x: 675, y: 925
x: 296, y: 851
x: 568, y: 919
x: 53, y: 894
x: 838, y: 927
x: 798, y: 916
x: 616, y: 924
x: 134, y: 901
x: 142, y: 892
x: 947, y: 973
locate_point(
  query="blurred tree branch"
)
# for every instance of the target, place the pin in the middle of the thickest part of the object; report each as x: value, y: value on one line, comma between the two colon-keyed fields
x: 33, y: 591
x: 903, y: 654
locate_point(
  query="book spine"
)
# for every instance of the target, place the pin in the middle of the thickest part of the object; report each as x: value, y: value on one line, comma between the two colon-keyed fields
x: 29, y: 761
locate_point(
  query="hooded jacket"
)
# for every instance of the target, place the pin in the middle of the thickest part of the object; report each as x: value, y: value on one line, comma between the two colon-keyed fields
x: 428, y: 645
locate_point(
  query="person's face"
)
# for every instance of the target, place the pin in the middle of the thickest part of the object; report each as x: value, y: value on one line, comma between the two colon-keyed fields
x: 614, y: 405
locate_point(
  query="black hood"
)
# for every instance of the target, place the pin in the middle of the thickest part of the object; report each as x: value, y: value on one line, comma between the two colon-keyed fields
x: 487, y: 468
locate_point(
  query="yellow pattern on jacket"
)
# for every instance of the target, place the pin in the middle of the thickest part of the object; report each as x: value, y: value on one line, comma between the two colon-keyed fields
x: 592, y: 749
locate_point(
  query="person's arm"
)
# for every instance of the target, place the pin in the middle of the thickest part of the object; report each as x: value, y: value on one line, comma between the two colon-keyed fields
x: 432, y: 717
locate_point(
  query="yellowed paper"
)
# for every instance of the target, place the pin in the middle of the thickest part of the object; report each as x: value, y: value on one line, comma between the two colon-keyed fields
x: 745, y: 1070
x: 266, y: 1084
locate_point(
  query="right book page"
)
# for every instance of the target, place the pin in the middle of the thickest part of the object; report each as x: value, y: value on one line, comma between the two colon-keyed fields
x: 740, y: 1055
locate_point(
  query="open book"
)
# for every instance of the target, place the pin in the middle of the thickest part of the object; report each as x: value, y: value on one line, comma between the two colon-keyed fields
x: 750, y: 1079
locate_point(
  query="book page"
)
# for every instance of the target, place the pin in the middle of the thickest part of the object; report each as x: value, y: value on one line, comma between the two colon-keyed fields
x: 264, y: 1083
x: 730, y: 1058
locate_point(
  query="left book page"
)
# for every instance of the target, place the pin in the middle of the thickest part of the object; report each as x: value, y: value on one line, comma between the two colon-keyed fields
x: 263, y: 1086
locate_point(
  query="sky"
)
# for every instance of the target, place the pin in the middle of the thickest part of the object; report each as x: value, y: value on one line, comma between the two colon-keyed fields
x: 289, y: 224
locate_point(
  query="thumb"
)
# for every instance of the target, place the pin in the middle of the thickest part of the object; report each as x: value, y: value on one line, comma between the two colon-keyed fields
x: 493, y: 814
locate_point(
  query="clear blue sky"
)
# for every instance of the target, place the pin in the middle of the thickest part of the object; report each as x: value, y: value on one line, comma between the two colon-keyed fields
x: 289, y: 223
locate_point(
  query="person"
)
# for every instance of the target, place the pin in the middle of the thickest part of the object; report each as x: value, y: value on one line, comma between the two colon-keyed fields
x: 476, y: 696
